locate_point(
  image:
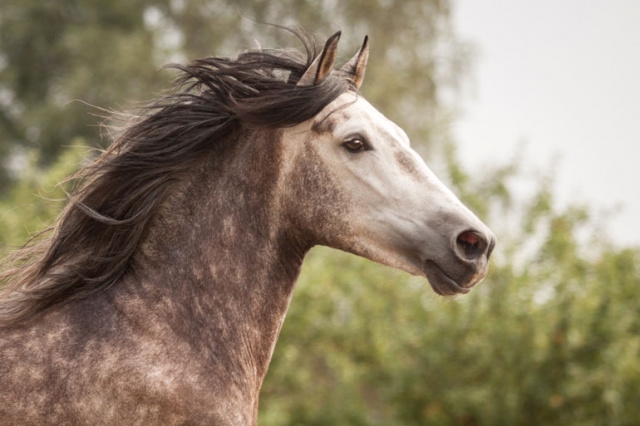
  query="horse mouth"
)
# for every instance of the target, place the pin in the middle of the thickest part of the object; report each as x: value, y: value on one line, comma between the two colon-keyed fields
x: 440, y: 282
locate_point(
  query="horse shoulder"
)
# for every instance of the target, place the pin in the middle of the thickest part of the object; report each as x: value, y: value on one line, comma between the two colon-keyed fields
x: 87, y: 363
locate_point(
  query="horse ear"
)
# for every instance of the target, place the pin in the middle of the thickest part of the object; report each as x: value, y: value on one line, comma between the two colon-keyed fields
x: 354, y: 69
x: 322, y: 66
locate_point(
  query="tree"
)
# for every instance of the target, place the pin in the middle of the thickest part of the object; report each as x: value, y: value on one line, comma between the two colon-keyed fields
x: 57, y: 57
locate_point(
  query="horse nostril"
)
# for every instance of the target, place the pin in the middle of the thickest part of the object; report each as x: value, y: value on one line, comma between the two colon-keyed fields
x: 471, y: 245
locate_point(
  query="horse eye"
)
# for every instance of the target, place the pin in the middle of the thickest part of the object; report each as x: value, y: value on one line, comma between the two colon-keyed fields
x: 354, y: 145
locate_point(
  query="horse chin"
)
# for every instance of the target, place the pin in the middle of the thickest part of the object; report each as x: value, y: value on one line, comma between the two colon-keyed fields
x: 440, y: 282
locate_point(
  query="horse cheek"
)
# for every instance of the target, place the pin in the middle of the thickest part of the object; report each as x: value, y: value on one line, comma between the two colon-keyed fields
x: 321, y: 207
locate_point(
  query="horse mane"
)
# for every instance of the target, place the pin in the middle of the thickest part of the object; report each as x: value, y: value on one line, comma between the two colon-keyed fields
x: 91, y: 244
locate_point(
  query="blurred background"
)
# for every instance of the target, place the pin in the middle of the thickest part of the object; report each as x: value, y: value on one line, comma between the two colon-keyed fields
x: 552, y: 337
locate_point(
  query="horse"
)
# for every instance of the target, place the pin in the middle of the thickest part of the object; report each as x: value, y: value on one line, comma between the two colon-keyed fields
x: 158, y: 294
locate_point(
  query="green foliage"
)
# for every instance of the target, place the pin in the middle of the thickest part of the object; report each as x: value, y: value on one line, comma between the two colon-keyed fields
x: 550, y: 338
x: 35, y: 200
x: 53, y: 54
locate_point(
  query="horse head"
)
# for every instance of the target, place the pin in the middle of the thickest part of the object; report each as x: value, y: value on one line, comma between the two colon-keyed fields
x: 356, y: 184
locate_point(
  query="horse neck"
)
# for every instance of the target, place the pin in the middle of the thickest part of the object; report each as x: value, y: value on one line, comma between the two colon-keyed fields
x: 220, y: 263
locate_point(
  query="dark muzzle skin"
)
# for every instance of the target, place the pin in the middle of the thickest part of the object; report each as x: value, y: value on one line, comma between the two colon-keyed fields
x: 465, y: 264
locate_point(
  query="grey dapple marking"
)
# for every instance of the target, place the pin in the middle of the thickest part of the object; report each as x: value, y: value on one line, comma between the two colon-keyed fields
x: 159, y: 295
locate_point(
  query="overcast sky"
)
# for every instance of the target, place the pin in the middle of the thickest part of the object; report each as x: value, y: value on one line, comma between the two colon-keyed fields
x: 564, y: 77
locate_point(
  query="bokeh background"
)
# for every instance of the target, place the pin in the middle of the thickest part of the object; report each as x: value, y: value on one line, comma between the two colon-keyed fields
x: 556, y: 83
x: 552, y: 337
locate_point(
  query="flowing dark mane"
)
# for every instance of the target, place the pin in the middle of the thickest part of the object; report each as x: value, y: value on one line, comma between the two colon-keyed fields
x: 91, y: 245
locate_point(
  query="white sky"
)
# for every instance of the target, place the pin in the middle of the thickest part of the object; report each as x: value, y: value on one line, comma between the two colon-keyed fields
x: 563, y: 76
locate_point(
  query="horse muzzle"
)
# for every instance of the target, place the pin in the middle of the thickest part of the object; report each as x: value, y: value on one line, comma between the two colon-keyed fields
x: 465, y: 265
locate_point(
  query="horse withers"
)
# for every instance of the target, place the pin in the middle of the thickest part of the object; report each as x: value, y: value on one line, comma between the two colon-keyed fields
x: 158, y: 295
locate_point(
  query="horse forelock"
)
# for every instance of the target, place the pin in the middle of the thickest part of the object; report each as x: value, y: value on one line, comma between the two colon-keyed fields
x: 93, y: 242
